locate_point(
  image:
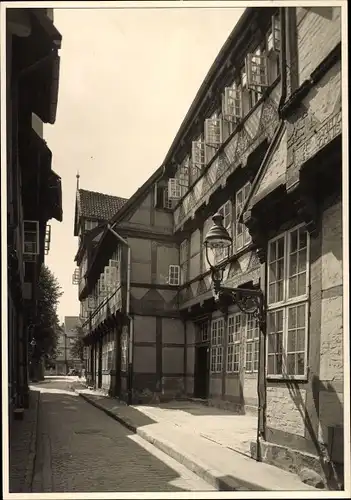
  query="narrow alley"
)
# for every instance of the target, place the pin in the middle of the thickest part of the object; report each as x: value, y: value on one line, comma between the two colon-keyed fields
x: 81, y: 449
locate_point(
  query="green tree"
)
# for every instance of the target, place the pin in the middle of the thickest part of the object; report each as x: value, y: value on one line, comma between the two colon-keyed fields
x: 46, y: 325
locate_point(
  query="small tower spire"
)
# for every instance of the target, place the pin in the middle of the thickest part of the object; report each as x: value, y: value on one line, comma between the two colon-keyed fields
x: 77, y: 176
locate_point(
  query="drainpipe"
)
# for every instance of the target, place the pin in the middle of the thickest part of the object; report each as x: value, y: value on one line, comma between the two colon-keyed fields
x: 261, y: 379
x: 131, y: 332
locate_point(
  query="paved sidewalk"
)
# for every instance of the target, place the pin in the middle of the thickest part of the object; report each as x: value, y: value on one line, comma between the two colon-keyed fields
x: 202, y: 439
x: 82, y: 450
x: 22, y: 442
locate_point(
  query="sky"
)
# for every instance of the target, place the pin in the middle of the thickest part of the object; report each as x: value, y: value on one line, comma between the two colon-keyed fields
x: 127, y: 79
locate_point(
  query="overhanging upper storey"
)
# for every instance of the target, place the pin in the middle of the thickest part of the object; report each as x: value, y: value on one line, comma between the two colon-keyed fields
x: 234, y: 112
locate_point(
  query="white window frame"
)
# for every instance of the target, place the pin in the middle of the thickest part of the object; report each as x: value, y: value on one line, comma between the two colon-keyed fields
x: 174, y: 275
x: 183, y: 175
x: 174, y: 189
x: 274, y: 35
x: 47, y: 239
x: 213, y: 131
x: 76, y: 276
x: 226, y: 210
x: 255, y: 63
x: 167, y: 203
x: 217, y: 345
x: 34, y: 231
x: 253, y: 342
x: 244, y: 232
x: 234, y: 336
x: 233, y: 104
x: 203, y: 330
x: 198, y: 156
x: 286, y: 304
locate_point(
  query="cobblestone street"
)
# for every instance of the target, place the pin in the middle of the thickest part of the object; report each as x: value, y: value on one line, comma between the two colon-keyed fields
x: 81, y: 449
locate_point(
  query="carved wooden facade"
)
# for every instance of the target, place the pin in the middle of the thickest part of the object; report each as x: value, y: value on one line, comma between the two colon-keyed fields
x: 277, y: 152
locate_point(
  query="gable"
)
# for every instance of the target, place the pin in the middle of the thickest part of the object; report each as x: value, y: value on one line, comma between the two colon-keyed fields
x: 141, y: 214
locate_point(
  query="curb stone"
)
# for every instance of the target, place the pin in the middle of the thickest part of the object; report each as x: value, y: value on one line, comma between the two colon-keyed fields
x: 27, y: 486
x: 211, y: 476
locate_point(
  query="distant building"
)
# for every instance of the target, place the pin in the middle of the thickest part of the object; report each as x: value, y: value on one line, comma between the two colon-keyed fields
x: 67, y: 337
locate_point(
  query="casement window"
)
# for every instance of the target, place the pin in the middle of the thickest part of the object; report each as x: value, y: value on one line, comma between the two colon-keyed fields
x: 217, y: 330
x: 174, y: 189
x: 232, y: 103
x: 76, y: 276
x: 47, y: 240
x: 30, y: 240
x: 102, y: 285
x: 183, y: 175
x: 198, y: 157
x: 213, y: 131
x: 234, y: 341
x: 202, y: 331
x: 242, y: 235
x: 116, y: 256
x: 110, y: 277
x: 184, y: 261
x: 252, y: 344
x: 287, y: 304
x: 257, y: 70
x: 174, y: 275
x: 273, y: 35
x: 225, y: 210
x: 167, y: 203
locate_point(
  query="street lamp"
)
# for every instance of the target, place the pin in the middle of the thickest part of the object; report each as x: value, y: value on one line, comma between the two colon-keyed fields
x: 249, y: 301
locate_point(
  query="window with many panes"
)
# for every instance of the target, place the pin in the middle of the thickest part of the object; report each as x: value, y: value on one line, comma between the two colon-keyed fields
x: 234, y: 339
x: 287, y: 304
x: 202, y: 331
x: 252, y: 344
x: 217, y: 329
x: 226, y: 212
x: 242, y: 235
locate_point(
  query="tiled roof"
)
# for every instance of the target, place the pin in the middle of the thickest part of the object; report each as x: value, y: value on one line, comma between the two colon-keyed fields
x: 98, y: 205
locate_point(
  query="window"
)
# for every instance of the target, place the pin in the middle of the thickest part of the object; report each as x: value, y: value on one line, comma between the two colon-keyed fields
x: 198, y: 157
x: 234, y: 339
x: 213, y: 131
x: 183, y: 259
x: 202, y: 331
x: 76, y: 276
x: 174, y: 190
x: 47, y: 239
x: 174, y: 275
x: 217, y: 329
x: 273, y: 35
x: 226, y: 211
x: 30, y: 240
x: 288, y: 285
x: 252, y: 344
x: 167, y: 203
x: 242, y: 235
x: 183, y: 176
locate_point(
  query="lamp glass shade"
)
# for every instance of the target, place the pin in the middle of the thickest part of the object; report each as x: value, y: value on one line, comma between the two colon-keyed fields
x: 217, y: 236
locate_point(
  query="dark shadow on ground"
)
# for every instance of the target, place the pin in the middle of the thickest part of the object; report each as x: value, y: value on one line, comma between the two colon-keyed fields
x: 91, y: 452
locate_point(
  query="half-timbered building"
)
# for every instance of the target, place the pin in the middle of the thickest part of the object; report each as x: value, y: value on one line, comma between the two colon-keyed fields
x: 261, y: 145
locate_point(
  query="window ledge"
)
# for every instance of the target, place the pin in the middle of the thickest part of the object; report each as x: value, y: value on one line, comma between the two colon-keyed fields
x: 287, y: 378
